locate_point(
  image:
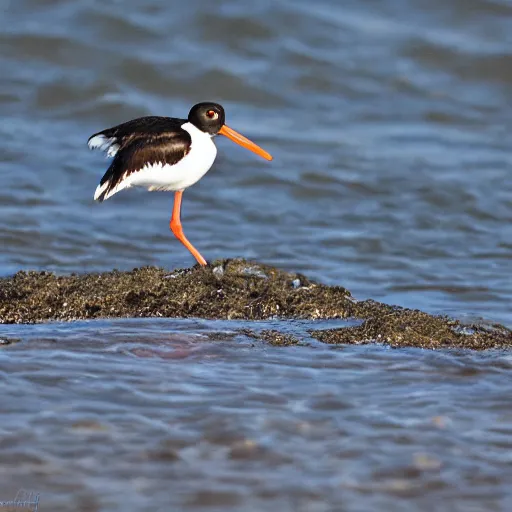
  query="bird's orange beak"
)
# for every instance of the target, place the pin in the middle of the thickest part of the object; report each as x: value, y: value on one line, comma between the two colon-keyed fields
x: 244, y: 142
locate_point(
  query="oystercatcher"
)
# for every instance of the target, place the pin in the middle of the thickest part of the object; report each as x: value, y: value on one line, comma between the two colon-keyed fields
x: 165, y: 153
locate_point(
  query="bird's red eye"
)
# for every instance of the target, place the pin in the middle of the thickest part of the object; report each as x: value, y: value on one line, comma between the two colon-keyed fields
x: 212, y: 114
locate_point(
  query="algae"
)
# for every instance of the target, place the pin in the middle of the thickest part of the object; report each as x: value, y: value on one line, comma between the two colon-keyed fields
x: 234, y: 289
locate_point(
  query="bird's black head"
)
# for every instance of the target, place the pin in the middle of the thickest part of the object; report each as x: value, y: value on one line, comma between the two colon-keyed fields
x: 208, y: 117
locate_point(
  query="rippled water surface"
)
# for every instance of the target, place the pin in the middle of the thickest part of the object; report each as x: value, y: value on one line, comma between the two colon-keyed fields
x: 390, y: 127
x: 185, y: 415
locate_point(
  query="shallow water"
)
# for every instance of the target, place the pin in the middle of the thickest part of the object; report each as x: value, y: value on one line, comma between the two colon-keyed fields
x: 390, y: 127
x: 154, y: 415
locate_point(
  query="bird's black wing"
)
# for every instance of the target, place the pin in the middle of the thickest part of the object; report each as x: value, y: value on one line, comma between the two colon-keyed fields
x: 137, y: 148
x: 113, y: 139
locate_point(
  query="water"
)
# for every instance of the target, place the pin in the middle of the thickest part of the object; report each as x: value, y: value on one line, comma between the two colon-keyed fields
x: 389, y: 123
x: 152, y: 415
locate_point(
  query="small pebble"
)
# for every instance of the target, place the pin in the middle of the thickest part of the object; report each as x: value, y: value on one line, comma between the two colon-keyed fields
x: 218, y: 271
x: 255, y: 271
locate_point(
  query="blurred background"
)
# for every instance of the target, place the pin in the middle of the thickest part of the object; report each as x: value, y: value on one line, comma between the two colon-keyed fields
x: 389, y: 122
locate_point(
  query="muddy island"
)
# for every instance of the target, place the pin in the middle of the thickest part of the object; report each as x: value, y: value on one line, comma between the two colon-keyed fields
x: 234, y: 289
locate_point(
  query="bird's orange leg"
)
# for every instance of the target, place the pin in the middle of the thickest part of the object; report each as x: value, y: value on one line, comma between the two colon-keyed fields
x: 176, y: 228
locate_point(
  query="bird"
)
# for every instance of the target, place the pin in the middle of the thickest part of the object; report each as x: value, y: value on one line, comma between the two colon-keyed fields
x: 165, y: 153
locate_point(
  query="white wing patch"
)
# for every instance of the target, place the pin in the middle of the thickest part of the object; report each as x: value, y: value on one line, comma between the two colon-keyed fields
x: 103, y: 143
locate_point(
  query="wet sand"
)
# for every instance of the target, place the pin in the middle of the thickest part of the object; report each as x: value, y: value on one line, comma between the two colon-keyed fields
x: 234, y: 290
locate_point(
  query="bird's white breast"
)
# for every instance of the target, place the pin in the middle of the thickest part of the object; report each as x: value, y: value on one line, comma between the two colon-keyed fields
x: 190, y: 169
